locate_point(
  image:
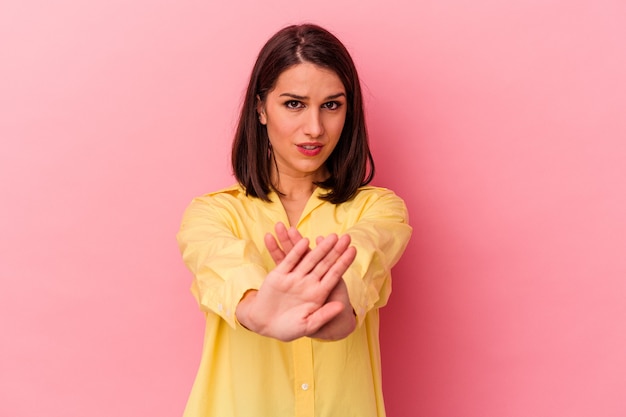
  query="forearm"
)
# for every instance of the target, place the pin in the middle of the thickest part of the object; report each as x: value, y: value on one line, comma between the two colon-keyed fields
x: 380, y: 237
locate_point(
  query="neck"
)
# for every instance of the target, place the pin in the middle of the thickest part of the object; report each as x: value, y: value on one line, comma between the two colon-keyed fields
x: 295, y: 185
x: 294, y: 188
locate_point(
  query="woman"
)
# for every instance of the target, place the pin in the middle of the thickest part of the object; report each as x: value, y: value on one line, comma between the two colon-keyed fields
x: 292, y: 317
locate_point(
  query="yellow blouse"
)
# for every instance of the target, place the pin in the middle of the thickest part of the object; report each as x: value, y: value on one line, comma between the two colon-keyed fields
x: 242, y: 374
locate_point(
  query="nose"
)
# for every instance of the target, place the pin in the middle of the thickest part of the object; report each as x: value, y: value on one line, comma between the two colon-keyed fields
x: 313, y: 125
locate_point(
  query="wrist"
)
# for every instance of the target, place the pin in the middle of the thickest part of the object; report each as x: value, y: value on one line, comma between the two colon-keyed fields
x: 242, y: 312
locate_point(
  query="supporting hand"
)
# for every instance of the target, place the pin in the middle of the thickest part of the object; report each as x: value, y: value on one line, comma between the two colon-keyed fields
x: 343, y: 323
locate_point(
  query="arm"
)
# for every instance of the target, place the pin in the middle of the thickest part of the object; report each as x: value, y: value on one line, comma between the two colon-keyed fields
x: 380, y: 235
x: 224, y: 267
x: 379, y: 229
x: 290, y: 301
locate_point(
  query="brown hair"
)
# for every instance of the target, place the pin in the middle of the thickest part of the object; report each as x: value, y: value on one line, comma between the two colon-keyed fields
x: 351, y: 164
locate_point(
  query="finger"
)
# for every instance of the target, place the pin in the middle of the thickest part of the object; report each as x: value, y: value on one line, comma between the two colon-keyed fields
x: 345, y: 260
x: 338, y: 328
x: 331, y: 257
x: 319, y: 239
x: 283, y: 237
x: 274, y: 250
x: 339, y: 268
x: 322, y: 316
x: 310, y: 261
x: 294, y: 235
x: 292, y: 259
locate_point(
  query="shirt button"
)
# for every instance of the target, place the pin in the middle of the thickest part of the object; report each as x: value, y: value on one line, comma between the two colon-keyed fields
x: 220, y: 307
x: 305, y: 387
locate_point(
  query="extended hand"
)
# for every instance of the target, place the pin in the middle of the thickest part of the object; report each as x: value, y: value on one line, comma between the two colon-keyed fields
x: 293, y: 300
x: 345, y: 322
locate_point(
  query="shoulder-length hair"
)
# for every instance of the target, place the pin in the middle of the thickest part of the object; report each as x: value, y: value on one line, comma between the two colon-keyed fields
x: 351, y: 164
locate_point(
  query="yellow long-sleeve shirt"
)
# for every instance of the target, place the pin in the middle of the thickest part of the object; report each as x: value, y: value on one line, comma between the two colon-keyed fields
x: 242, y: 374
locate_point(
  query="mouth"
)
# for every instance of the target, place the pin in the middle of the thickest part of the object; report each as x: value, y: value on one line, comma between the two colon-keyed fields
x: 310, y: 149
x: 310, y: 145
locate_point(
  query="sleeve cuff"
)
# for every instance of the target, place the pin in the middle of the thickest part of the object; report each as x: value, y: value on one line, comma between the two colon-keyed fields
x: 223, y: 301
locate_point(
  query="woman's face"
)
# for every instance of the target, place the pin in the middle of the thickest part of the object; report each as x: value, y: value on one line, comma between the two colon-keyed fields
x: 304, y: 115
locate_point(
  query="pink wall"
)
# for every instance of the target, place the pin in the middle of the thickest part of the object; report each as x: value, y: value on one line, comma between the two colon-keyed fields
x: 502, y: 124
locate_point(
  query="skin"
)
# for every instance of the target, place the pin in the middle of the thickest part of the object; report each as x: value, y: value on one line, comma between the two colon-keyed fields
x: 305, y: 294
x: 345, y: 322
x: 306, y: 107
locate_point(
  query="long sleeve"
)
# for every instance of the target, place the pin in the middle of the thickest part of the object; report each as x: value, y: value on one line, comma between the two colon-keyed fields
x: 380, y: 235
x: 221, y: 239
x: 224, y: 265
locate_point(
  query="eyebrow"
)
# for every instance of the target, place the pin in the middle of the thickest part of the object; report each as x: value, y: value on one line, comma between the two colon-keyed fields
x: 298, y: 97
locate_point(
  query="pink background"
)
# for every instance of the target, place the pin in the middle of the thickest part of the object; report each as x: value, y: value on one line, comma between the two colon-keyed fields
x: 502, y: 124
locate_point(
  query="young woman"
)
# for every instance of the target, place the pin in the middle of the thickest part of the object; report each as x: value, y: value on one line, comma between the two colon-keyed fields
x: 292, y: 264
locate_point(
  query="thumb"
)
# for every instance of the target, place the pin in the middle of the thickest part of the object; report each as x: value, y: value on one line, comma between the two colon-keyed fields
x: 323, y: 315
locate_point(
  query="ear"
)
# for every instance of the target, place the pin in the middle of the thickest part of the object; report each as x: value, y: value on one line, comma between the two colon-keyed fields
x: 260, y: 109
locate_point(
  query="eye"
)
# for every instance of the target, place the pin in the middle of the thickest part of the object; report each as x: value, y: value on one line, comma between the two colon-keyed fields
x: 293, y: 104
x: 332, y: 105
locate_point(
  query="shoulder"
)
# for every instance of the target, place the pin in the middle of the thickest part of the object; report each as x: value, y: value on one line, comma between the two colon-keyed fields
x: 233, y: 191
x: 377, y: 199
x: 224, y: 196
x: 370, y: 194
x: 218, y: 203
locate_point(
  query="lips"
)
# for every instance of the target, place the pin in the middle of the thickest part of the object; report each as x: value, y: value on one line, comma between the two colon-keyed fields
x: 310, y: 149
